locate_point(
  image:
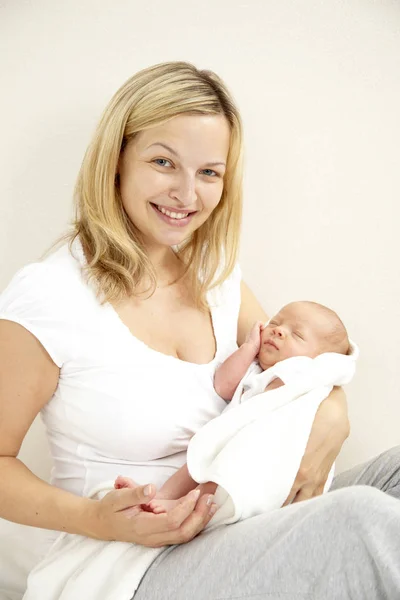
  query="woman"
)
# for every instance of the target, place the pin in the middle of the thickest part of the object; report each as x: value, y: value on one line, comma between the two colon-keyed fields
x: 115, y: 339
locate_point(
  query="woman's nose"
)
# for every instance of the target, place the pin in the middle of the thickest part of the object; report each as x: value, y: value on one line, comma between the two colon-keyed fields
x: 185, y: 190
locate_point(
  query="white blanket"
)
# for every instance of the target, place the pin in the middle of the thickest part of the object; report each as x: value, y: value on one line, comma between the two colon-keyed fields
x: 253, y: 451
x: 254, y: 448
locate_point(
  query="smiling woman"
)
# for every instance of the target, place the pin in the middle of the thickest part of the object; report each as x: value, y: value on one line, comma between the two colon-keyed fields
x: 169, y: 197
x: 115, y: 339
x: 169, y: 143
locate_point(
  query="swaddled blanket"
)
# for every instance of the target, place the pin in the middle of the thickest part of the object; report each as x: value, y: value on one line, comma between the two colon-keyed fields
x: 253, y: 451
x: 254, y: 448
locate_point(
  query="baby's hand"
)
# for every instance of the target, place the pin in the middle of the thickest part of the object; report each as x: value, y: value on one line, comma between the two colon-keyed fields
x: 254, y: 337
x: 156, y: 506
x: 161, y: 505
x: 124, y: 482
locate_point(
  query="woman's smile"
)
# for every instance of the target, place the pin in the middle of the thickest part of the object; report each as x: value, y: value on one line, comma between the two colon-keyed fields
x: 173, y: 217
x: 168, y: 167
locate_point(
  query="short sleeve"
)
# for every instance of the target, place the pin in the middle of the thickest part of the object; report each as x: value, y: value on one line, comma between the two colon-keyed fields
x: 35, y: 300
x: 228, y: 293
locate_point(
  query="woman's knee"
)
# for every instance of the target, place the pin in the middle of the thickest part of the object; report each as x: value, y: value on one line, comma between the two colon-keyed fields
x: 391, y: 456
x: 358, y: 502
x: 394, y: 451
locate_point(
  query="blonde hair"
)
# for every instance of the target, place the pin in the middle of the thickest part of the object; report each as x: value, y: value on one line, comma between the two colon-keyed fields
x: 116, y: 258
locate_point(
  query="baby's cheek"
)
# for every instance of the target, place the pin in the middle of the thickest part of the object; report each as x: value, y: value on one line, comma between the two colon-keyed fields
x: 287, y: 351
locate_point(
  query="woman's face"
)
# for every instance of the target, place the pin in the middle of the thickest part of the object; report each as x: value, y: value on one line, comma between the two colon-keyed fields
x: 172, y: 176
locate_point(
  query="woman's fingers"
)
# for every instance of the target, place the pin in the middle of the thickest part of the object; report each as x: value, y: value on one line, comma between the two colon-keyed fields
x: 305, y: 492
x: 291, y: 495
x: 308, y: 491
x: 177, y: 515
x: 150, y: 523
x: 182, y: 523
x: 195, y: 522
x: 176, y: 526
x: 126, y: 498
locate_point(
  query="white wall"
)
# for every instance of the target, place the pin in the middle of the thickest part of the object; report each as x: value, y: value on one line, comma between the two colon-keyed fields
x: 319, y: 88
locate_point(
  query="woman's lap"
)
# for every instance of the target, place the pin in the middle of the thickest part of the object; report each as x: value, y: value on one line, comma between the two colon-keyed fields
x: 341, y: 545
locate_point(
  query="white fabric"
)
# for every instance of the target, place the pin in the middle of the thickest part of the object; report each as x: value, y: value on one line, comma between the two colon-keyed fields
x: 80, y: 567
x: 20, y: 548
x: 254, y: 448
x: 120, y: 407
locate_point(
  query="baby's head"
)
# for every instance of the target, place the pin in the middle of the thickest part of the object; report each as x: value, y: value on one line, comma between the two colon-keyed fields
x: 302, y: 329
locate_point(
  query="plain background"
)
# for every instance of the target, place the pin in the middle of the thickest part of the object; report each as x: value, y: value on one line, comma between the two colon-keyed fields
x: 318, y: 84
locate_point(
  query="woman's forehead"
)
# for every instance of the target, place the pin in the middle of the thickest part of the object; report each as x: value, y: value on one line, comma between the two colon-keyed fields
x: 182, y: 133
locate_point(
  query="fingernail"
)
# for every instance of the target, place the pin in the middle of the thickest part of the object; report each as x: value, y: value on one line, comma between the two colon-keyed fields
x: 213, y: 509
x: 210, y: 500
x: 147, y: 490
x: 195, y: 494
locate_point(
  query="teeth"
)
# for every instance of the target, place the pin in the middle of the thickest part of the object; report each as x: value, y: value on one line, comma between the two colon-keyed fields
x: 173, y: 215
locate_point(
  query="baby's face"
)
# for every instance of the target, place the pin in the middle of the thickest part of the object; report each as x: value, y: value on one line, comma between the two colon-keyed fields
x: 297, y: 330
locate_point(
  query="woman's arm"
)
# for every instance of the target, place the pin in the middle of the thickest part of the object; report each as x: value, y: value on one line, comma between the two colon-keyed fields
x: 330, y: 429
x: 28, y: 378
x: 331, y: 424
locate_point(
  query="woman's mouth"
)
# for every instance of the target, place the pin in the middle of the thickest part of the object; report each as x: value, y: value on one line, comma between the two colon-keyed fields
x: 175, y: 218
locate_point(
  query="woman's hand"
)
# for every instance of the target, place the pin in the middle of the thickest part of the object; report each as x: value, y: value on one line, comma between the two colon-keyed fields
x: 119, y: 516
x: 329, y: 431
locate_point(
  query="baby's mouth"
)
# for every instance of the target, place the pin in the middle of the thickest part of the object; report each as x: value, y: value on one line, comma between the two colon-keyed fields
x: 271, y: 343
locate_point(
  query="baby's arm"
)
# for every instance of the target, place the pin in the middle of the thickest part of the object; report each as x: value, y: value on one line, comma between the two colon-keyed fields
x: 178, y: 485
x: 233, y: 369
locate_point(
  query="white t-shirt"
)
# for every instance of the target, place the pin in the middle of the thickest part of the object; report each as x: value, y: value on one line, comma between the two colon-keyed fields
x: 120, y: 407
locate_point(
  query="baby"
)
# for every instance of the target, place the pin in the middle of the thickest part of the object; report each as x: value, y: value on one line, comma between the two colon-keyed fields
x: 299, y: 329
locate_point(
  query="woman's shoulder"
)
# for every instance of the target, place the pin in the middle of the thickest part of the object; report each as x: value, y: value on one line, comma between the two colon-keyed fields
x: 229, y: 289
x: 56, y: 276
x: 49, y: 299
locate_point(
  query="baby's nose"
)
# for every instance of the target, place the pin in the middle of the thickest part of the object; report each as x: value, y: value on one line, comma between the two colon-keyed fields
x: 278, y: 331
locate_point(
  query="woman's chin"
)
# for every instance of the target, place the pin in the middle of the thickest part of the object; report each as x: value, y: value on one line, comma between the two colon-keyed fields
x: 166, y: 239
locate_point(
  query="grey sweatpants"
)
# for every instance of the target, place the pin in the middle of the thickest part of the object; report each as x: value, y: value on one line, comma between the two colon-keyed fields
x: 343, y: 545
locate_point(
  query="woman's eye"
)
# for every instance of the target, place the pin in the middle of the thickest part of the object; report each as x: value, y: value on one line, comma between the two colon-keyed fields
x: 161, y: 162
x: 210, y: 173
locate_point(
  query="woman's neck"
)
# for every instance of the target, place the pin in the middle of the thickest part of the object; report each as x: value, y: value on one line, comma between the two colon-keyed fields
x: 167, y: 266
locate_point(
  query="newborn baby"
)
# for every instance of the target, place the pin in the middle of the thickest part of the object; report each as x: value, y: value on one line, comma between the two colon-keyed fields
x: 299, y: 329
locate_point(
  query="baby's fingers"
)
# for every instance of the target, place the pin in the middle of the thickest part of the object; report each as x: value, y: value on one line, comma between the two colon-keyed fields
x: 185, y: 507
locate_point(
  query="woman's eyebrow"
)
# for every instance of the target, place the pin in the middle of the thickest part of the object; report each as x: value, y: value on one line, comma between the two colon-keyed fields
x: 164, y: 146
x: 214, y: 164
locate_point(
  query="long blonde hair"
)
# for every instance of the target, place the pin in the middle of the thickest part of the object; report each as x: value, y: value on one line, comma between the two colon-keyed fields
x: 117, y: 260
